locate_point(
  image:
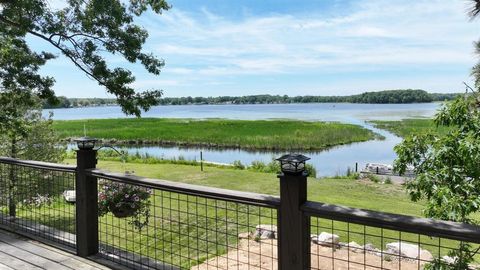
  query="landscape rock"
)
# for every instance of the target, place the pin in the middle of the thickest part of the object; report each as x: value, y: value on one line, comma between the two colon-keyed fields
x: 354, y: 247
x: 425, y: 255
x: 371, y: 249
x: 267, y: 235
x: 69, y: 195
x: 328, y: 239
x: 409, y: 250
x: 244, y: 235
x: 265, y: 231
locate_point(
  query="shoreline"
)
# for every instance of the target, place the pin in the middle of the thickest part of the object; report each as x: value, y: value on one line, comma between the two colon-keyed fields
x: 217, y: 146
x: 240, y: 104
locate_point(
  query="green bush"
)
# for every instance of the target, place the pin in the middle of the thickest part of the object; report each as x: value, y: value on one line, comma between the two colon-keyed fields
x: 373, y: 178
x: 274, y: 167
x: 388, y: 180
x: 237, y: 164
x: 257, y: 166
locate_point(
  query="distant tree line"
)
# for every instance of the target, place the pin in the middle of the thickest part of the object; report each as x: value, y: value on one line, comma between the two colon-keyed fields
x: 64, y: 102
x: 381, y: 97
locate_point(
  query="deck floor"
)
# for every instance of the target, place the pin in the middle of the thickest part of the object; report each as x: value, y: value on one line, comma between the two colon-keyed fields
x: 17, y: 252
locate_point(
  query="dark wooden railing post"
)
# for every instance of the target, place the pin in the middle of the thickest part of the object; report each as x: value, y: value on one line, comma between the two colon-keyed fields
x: 86, y: 204
x: 293, y: 225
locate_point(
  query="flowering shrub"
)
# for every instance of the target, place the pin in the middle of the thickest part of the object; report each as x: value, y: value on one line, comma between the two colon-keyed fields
x: 124, y: 200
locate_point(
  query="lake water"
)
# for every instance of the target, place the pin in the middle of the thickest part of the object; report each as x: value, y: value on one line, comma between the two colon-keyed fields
x: 329, y: 162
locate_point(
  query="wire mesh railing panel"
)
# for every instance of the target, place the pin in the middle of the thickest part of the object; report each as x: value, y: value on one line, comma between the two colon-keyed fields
x: 32, y: 201
x: 344, y: 245
x: 170, y: 230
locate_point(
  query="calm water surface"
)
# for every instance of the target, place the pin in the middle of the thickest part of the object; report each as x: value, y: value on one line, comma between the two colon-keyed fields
x: 329, y: 162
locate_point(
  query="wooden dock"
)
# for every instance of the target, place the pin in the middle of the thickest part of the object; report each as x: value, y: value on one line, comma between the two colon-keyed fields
x: 17, y: 252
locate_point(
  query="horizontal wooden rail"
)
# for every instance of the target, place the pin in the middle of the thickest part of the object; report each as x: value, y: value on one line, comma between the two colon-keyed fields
x: 189, y: 189
x: 38, y: 164
x: 418, y: 225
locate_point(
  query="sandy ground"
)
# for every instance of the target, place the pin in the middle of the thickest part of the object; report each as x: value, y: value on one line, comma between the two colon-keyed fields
x: 252, y: 255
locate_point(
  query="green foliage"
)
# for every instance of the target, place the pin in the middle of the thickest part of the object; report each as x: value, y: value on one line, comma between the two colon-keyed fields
x: 446, y: 165
x: 83, y: 31
x: 64, y: 102
x: 260, y: 134
x: 351, y: 174
x: 237, y: 164
x: 354, y: 176
x: 274, y: 167
x: 349, y: 171
x: 388, y: 180
x: 373, y: 178
x: 390, y: 96
x: 19, y: 67
x: 26, y: 135
x: 256, y: 166
x: 446, y: 168
x: 387, y: 96
x: 462, y: 259
x: 31, y: 137
x: 259, y: 166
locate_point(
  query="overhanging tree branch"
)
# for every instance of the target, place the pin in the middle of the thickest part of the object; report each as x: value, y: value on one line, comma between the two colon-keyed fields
x: 49, y: 40
x: 83, y: 30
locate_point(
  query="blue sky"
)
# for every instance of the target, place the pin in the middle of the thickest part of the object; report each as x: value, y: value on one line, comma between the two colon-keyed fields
x: 322, y: 47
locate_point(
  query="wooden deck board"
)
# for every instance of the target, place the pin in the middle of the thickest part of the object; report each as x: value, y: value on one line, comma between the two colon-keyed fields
x: 4, y: 267
x: 17, y: 252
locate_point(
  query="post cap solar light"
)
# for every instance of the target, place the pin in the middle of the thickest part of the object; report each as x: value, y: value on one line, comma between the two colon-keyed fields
x: 85, y: 143
x: 292, y: 163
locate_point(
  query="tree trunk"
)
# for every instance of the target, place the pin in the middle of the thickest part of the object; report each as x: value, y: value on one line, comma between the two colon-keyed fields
x: 12, y: 206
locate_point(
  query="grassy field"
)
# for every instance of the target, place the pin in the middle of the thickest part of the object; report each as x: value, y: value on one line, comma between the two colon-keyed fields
x: 337, y: 191
x: 407, y: 127
x: 261, y: 134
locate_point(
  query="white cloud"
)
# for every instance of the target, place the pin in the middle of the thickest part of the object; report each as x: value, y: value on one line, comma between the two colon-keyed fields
x: 365, y: 31
x: 205, y: 49
x: 376, y: 33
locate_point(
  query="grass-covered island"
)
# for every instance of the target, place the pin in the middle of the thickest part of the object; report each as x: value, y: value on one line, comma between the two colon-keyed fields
x: 406, y: 127
x: 258, y: 134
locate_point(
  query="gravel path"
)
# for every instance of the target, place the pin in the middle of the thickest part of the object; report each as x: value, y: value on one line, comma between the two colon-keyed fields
x: 253, y: 255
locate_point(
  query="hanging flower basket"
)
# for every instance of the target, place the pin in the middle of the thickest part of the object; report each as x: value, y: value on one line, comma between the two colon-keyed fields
x: 122, y: 212
x: 124, y: 201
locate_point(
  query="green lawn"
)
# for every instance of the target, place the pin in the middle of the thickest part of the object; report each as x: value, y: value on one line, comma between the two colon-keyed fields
x: 337, y: 191
x: 261, y: 134
x: 407, y: 127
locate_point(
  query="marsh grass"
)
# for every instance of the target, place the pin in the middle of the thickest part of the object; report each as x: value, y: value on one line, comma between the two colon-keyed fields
x: 407, y: 127
x: 258, y: 134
